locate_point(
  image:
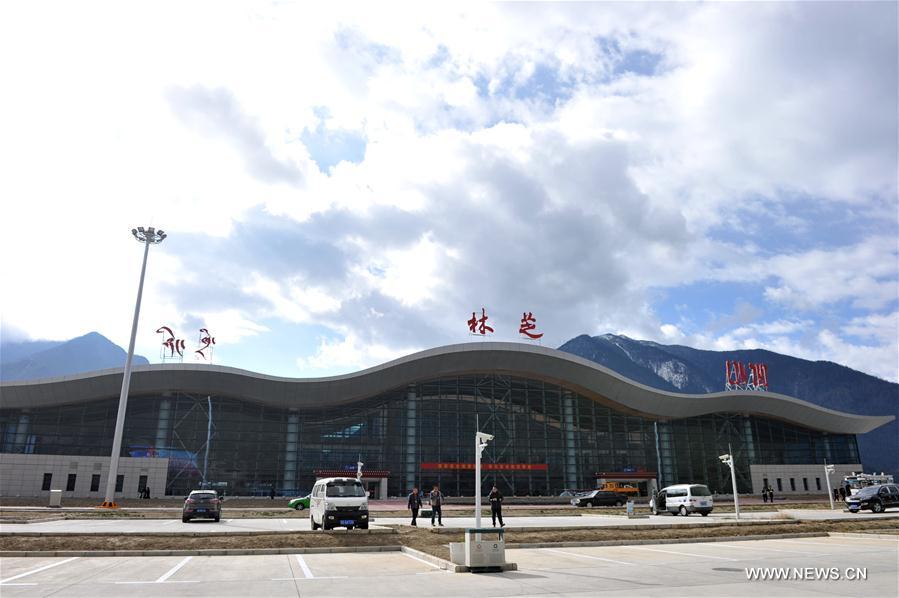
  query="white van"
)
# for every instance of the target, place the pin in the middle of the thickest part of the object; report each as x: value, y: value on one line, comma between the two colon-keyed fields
x: 682, y: 499
x: 338, y: 502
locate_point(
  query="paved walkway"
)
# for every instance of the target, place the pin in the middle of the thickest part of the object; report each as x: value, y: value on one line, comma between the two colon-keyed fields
x: 694, y: 569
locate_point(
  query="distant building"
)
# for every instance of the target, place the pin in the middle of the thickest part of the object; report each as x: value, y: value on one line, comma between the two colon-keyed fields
x: 560, y: 422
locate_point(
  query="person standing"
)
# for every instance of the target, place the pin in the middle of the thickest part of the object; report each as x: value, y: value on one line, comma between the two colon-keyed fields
x: 496, y: 506
x: 436, y: 499
x: 770, y: 494
x: 271, y: 494
x: 414, y: 504
x: 765, y: 494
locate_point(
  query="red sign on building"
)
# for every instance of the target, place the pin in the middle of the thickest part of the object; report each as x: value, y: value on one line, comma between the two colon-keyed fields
x: 529, y: 323
x: 479, y: 325
x: 486, y: 466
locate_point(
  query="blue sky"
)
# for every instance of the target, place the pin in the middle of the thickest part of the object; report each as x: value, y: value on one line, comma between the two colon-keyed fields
x: 343, y: 186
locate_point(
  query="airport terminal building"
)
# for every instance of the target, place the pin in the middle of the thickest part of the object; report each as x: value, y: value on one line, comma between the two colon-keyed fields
x: 559, y: 421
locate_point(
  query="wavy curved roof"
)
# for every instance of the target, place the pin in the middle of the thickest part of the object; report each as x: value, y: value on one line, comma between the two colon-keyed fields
x: 518, y: 359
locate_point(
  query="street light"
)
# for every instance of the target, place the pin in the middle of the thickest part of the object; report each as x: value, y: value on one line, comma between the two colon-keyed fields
x: 480, y: 443
x: 828, y: 469
x: 728, y: 460
x: 148, y: 236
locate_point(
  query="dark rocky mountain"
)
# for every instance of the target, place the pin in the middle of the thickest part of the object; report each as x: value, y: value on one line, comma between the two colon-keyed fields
x: 31, y: 360
x: 677, y: 368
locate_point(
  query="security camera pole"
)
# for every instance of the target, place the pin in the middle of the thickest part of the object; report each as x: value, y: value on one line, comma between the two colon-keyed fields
x: 480, y: 443
x: 728, y: 460
x: 828, y: 469
x: 149, y: 236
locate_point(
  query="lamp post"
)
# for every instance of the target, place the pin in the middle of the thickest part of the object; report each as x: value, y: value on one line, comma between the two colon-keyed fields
x: 828, y: 469
x: 480, y: 443
x: 728, y: 460
x: 148, y: 237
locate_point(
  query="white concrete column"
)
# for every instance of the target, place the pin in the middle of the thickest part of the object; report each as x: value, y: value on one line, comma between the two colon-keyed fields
x: 411, y: 438
x: 290, y: 450
x: 382, y: 492
x: 162, y: 424
x: 568, y: 430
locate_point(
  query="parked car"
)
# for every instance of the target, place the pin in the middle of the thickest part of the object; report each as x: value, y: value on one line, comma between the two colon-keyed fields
x: 338, y: 502
x: 598, y: 498
x: 202, y: 504
x: 874, y: 498
x: 682, y: 499
x: 300, y: 503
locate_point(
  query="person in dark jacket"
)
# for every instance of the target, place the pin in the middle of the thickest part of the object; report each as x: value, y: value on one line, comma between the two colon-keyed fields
x: 770, y: 493
x: 436, y: 499
x: 414, y: 504
x: 496, y: 506
x: 765, y: 494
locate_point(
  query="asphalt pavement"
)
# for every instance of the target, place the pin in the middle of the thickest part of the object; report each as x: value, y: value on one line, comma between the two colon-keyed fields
x: 840, y: 566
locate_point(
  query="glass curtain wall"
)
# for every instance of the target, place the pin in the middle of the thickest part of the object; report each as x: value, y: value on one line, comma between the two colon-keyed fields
x: 547, y: 439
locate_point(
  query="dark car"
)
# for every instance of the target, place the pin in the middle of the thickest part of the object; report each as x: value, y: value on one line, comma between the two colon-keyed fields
x: 874, y: 498
x: 202, y: 504
x: 598, y: 498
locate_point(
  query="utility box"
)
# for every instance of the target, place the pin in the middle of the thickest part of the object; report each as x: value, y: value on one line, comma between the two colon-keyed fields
x: 56, y: 498
x: 484, y: 549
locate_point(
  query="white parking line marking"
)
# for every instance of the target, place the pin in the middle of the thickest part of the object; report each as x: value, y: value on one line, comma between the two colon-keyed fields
x: 681, y: 553
x: 415, y: 558
x: 586, y: 556
x: 173, y: 570
x: 284, y: 521
x: 761, y: 548
x: 125, y: 583
x: 306, y: 570
x: 170, y: 522
x: 38, y: 570
x: 305, y: 578
x: 818, y: 544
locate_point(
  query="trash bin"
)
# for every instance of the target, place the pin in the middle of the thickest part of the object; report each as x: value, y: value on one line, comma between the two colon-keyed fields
x: 56, y: 498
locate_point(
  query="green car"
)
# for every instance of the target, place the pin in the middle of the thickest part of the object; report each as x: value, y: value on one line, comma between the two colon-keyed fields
x: 299, y: 503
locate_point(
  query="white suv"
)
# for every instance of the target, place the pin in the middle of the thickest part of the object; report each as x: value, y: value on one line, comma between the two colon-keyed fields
x: 338, y: 502
x: 682, y: 499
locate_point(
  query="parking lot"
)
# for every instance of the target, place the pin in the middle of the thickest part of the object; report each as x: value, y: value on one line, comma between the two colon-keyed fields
x: 690, y: 569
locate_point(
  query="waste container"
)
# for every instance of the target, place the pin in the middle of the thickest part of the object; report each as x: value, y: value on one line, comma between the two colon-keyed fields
x: 56, y: 498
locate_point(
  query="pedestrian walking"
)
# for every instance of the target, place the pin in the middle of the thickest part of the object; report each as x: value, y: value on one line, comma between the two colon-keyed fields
x: 271, y: 494
x: 765, y: 494
x: 414, y: 504
x: 436, y: 499
x: 770, y: 494
x: 496, y: 506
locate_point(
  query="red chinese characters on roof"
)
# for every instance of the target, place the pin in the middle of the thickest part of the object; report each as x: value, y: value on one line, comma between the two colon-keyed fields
x: 528, y: 323
x: 479, y: 325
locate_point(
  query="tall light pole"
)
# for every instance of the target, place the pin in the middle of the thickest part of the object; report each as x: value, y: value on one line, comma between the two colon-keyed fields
x: 148, y: 237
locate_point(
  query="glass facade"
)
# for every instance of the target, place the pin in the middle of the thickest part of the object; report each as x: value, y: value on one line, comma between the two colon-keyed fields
x: 547, y: 438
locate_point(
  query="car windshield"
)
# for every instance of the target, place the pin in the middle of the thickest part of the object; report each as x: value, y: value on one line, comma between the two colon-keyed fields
x: 339, y: 489
x: 700, y: 491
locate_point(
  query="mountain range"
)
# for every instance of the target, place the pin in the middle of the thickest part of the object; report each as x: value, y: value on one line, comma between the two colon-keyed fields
x: 31, y: 360
x: 677, y: 368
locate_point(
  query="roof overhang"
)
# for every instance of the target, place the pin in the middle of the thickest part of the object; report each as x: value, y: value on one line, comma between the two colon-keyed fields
x: 517, y: 359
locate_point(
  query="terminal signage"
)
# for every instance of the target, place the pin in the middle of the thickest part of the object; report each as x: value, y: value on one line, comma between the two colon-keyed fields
x: 738, y: 377
x: 486, y: 466
x: 171, y: 345
x: 527, y: 328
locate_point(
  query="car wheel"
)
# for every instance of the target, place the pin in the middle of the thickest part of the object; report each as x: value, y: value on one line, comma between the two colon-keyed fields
x: 325, y: 526
x: 315, y: 526
x: 877, y: 507
x: 704, y: 514
x: 683, y: 511
x: 618, y: 503
x: 218, y: 518
x: 589, y: 503
x: 363, y: 526
x: 300, y: 507
x: 185, y: 519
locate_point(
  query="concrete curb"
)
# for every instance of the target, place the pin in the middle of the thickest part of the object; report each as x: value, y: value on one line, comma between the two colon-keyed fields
x: 435, y: 560
x: 875, y: 534
x: 385, y: 530
x: 651, y: 526
x: 205, y: 552
x: 664, y: 541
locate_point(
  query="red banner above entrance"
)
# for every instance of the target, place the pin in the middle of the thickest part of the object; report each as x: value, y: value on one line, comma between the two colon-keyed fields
x: 487, y: 466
